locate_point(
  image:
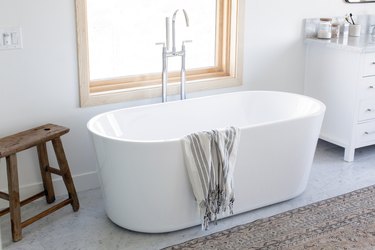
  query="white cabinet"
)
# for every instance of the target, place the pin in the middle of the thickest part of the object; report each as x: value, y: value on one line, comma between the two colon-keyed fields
x: 342, y: 75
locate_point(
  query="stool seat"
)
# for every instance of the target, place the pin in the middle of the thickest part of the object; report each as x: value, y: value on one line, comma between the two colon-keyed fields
x: 30, y: 138
x: 36, y: 137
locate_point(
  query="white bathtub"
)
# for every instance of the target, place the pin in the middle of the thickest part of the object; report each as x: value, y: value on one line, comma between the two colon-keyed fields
x: 141, y: 166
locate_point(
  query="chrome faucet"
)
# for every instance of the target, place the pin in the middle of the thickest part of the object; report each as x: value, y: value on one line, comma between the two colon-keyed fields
x: 171, y: 53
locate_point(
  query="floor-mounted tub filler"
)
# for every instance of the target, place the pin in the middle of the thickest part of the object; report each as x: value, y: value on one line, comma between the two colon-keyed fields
x: 141, y: 164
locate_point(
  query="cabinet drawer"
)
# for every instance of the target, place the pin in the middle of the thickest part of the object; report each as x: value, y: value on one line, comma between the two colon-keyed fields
x: 369, y: 64
x: 365, y: 133
x: 366, y: 88
x: 366, y: 110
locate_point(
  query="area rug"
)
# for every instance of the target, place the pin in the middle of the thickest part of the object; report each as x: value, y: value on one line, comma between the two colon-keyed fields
x: 343, y: 222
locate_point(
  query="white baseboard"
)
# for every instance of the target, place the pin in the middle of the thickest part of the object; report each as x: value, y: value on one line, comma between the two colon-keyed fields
x: 82, y: 182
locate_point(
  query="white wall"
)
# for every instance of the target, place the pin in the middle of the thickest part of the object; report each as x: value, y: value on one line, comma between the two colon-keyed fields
x: 39, y: 84
x: 274, y: 47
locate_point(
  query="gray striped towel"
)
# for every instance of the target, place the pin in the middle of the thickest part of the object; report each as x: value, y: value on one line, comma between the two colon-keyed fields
x: 210, y: 158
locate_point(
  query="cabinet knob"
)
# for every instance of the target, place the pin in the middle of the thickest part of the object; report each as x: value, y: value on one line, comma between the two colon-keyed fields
x: 369, y: 110
x: 371, y: 86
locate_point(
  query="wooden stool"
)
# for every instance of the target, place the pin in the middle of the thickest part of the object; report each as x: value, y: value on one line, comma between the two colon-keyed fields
x: 38, y: 137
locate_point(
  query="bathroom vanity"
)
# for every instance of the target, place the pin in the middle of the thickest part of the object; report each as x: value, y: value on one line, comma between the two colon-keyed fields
x: 341, y: 73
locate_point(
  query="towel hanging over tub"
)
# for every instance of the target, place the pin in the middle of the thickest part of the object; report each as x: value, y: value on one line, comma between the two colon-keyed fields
x: 210, y: 158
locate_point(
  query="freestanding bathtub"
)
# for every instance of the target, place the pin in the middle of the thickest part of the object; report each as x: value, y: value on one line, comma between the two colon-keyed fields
x: 141, y: 165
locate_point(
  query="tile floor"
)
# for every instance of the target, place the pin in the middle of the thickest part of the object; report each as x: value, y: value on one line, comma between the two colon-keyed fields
x: 90, y: 229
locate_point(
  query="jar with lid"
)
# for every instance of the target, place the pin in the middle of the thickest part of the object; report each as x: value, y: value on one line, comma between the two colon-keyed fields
x: 324, y: 31
x: 335, y: 30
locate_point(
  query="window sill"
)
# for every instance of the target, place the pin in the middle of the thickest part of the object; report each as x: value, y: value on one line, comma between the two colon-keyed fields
x: 130, y: 94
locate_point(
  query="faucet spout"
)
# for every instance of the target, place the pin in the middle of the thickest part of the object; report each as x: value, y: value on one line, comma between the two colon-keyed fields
x: 174, y: 27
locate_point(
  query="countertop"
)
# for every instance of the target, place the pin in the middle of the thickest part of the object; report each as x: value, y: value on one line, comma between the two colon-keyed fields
x: 364, y: 44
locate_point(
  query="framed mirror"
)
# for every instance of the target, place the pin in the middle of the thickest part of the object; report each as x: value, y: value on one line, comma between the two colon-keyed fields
x: 360, y: 1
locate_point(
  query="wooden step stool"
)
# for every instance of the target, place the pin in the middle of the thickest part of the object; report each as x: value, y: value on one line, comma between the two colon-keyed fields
x: 38, y: 137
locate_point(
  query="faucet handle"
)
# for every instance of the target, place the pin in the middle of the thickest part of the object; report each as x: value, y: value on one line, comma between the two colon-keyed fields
x: 160, y: 44
x: 186, y: 41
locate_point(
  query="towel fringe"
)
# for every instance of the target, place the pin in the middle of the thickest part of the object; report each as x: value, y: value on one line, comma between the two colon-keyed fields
x: 213, y: 206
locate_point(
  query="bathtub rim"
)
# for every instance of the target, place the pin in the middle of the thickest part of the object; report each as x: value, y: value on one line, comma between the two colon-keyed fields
x: 319, y: 111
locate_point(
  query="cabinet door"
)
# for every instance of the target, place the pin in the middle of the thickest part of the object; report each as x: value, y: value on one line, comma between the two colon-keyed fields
x: 369, y: 64
x: 365, y: 134
x: 366, y: 88
x: 366, y: 110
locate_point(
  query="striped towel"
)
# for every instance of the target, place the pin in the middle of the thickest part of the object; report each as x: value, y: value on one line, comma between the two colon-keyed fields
x: 210, y: 159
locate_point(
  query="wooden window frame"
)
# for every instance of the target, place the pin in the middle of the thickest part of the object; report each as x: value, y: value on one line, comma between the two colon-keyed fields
x: 227, y: 71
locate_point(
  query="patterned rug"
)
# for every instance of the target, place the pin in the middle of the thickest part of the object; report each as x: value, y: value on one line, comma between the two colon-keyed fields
x: 343, y: 222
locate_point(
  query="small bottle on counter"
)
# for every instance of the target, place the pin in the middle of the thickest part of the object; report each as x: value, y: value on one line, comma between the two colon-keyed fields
x: 335, y: 30
x: 325, y: 28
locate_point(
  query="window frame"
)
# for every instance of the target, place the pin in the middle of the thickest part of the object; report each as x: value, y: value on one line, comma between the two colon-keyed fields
x: 227, y: 71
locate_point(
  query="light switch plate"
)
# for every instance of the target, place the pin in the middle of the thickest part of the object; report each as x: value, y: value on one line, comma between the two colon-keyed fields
x: 10, y: 38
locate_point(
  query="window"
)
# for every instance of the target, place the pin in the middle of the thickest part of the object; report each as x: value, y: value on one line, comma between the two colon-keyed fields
x: 118, y: 58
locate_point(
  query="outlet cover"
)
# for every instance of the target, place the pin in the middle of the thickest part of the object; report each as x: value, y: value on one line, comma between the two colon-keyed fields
x: 10, y: 38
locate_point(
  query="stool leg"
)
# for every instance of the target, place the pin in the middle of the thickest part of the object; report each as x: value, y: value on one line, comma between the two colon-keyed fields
x: 67, y: 176
x: 14, y: 197
x: 46, y: 176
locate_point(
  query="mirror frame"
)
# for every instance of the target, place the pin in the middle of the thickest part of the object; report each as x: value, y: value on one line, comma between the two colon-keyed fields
x: 360, y: 1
